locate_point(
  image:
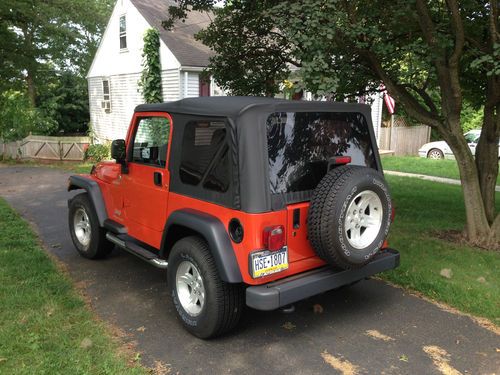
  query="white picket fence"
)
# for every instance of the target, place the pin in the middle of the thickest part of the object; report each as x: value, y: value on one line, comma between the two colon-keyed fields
x: 46, y: 148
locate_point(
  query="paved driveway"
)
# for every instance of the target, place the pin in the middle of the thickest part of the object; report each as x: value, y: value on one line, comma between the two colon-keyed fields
x: 370, y: 328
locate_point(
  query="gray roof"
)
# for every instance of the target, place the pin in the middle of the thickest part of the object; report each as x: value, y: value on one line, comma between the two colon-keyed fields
x: 180, y: 40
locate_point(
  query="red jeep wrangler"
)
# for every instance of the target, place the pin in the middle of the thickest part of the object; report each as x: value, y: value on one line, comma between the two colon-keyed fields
x: 247, y: 200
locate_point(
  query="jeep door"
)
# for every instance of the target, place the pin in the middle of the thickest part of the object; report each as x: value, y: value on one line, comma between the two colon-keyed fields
x: 146, y: 185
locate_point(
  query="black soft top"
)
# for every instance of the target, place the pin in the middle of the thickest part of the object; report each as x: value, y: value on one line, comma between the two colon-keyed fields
x: 247, y: 138
x: 235, y: 106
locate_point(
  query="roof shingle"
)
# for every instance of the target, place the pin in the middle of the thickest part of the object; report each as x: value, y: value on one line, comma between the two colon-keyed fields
x: 180, y: 40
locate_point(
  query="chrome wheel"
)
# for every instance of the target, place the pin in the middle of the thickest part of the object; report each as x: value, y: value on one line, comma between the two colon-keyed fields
x: 363, y: 219
x: 435, y: 154
x: 81, y: 223
x: 190, y: 288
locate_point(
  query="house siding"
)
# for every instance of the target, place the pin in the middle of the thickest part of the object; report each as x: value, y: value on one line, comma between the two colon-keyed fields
x: 170, y: 84
x: 124, y: 96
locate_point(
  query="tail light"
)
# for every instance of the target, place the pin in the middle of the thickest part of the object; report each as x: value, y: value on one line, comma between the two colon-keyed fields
x: 273, y: 238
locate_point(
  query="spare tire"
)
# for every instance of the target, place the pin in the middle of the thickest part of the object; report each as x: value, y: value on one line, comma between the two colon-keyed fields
x: 349, y: 216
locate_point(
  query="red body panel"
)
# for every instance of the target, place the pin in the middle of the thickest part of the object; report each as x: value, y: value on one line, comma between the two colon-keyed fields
x: 301, y: 256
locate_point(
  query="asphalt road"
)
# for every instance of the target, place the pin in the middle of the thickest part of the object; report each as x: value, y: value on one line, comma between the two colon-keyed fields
x: 370, y: 328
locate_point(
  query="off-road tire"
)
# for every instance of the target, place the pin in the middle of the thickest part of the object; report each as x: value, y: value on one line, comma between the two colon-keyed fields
x: 98, y: 246
x: 327, y: 215
x: 223, y: 301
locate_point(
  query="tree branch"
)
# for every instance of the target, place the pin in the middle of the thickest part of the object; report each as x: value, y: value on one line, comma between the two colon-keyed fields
x: 425, y: 97
x: 493, y: 22
x: 457, y: 28
x: 426, y: 24
x: 411, y: 105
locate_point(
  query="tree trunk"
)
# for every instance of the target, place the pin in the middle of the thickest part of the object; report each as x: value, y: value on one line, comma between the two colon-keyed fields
x: 31, y: 88
x: 478, y: 228
x: 487, y: 160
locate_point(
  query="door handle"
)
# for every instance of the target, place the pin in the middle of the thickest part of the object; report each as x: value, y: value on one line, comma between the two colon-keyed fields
x: 157, y: 178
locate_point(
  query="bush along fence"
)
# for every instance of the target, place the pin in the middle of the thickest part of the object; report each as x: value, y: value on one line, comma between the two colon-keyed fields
x: 46, y: 148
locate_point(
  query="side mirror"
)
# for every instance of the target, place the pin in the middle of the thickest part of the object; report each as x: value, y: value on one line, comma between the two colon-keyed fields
x: 118, y: 150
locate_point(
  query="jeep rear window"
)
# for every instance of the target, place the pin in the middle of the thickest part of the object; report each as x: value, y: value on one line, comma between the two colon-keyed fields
x: 204, y: 157
x: 300, y: 145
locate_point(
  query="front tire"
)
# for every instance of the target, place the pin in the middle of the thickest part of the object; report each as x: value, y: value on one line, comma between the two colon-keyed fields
x: 87, y: 236
x: 206, y: 305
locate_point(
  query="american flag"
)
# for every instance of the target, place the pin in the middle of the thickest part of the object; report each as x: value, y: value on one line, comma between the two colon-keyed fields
x: 389, y: 102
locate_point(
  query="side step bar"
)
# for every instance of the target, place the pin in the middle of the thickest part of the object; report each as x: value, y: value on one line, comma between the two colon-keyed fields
x: 138, y: 251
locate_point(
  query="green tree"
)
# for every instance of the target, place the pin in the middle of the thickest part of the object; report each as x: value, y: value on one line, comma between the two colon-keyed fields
x: 431, y: 56
x: 19, y: 118
x: 45, y: 45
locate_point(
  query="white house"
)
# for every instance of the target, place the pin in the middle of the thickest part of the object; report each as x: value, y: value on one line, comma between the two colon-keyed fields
x: 117, y: 66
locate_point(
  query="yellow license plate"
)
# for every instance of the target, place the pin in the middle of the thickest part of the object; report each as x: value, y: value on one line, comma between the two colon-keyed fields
x: 268, y: 262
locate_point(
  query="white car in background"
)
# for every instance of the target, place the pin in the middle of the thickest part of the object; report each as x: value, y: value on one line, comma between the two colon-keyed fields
x: 441, y: 150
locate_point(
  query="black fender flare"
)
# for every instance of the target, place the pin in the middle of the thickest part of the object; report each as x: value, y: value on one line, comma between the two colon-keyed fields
x: 214, y: 232
x: 95, y: 195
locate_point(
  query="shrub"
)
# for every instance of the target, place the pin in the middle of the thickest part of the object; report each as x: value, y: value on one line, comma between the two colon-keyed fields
x: 19, y: 118
x: 98, y: 152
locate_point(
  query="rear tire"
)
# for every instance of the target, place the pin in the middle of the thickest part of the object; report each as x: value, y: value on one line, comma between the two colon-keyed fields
x: 87, y: 236
x: 206, y: 305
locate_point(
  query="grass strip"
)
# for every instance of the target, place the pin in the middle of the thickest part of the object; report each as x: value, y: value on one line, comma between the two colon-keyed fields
x: 422, y: 209
x: 45, y: 326
x: 410, y: 164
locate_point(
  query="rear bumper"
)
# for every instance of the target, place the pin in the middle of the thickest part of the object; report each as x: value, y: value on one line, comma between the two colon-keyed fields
x: 298, y: 287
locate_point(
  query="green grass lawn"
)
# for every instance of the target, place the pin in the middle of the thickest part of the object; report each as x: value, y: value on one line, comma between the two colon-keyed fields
x: 412, y: 164
x: 422, y: 208
x: 45, y: 326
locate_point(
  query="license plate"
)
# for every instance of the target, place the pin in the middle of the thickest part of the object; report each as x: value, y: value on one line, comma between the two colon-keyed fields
x: 267, y: 262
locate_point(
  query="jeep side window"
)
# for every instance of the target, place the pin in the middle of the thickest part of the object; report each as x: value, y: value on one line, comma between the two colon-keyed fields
x: 151, y: 141
x: 204, y: 157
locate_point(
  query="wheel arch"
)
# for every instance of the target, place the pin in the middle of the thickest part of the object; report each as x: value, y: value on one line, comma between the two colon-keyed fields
x: 189, y: 222
x: 94, y: 192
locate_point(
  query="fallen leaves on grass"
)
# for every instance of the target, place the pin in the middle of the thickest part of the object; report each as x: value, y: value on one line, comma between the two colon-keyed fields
x: 446, y: 273
x: 86, y: 343
x: 440, y: 358
x: 378, y: 335
x: 342, y: 365
x: 481, y: 279
x: 137, y: 357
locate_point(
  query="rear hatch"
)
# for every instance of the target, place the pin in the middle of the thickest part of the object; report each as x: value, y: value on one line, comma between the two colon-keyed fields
x: 301, y: 148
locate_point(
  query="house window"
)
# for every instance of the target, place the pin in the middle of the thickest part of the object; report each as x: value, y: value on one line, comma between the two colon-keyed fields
x: 123, y: 32
x: 106, y: 100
